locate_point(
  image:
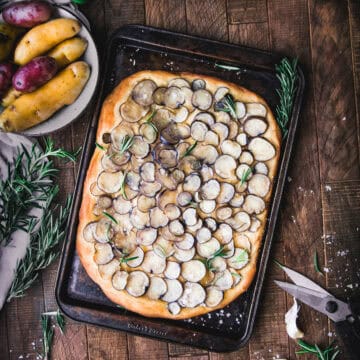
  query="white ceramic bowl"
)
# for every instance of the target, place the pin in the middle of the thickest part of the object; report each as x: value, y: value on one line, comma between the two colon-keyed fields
x: 68, y: 114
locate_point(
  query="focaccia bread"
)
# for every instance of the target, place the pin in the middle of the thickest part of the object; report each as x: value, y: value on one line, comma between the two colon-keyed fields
x: 177, y: 193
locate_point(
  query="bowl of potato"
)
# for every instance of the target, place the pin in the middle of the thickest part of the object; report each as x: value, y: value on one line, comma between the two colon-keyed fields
x: 49, y: 66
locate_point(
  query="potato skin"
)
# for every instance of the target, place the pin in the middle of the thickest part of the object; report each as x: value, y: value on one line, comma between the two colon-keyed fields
x: 34, y: 74
x: 10, y: 96
x: 8, y: 36
x: 27, y: 14
x: 6, y: 72
x: 42, y: 38
x: 68, y: 51
x: 33, y: 108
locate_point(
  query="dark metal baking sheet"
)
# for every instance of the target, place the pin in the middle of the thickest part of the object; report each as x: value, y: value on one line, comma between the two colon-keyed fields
x: 131, y: 49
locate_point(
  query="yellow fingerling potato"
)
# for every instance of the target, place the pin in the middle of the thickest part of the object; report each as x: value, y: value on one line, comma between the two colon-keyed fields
x: 33, y: 108
x: 42, y: 38
x: 8, y: 35
x: 10, y: 96
x: 68, y: 51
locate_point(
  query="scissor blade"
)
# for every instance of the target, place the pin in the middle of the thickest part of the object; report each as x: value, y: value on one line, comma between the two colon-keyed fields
x: 316, y: 300
x: 303, y: 281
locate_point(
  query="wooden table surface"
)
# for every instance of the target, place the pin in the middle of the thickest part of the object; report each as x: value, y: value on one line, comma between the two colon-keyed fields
x: 321, y: 205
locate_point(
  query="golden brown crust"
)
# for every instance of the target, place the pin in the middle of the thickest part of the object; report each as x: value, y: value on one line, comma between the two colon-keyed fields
x: 107, y: 121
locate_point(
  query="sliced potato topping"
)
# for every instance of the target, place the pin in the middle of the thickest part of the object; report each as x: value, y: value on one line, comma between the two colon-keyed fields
x: 182, y: 180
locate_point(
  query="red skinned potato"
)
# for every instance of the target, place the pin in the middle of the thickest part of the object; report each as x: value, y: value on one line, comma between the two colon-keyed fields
x: 6, y: 72
x: 27, y: 14
x: 34, y: 74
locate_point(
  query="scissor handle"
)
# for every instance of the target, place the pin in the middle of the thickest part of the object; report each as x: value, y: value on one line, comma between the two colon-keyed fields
x: 349, y: 330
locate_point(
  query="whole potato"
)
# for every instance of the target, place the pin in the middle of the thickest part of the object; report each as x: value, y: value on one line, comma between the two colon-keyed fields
x: 8, y: 36
x: 34, y: 74
x: 10, y: 96
x: 42, y: 38
x: 6, y: 72
x: 31, y: 109
x: 27, y: 14
x: 68, y: 51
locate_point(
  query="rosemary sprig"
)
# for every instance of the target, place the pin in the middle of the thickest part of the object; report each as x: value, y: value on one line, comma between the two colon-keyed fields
x: 148, y: 121
x: 60, y: 320
x: 227, y: 67
x: 110, y: 217
x: 316, y: 263
x: 190, y: 149
x: 330, y: 353
x: 42, y: 250
x: 28, y: 183
x: 48, y: 334
x: 287, y: 74
x: 245, y: 175
x: 125, y: 259
x: 126, y: 143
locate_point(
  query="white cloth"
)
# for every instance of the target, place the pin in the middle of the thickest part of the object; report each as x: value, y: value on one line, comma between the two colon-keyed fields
x: 11, y: 254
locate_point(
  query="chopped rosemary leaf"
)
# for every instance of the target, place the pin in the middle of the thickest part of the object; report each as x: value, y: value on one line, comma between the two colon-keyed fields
x: 245, y: 175
x: 193, y: 204
x: 126, y: 143
x: 227, y: 67
x: 149, y: 118
x: 190, y: 149
x: 110, y: 217
x: 230, y: 105
x: 278, y: 264
x: 161, y: 249
x: 99, y: 146
x: 287, y: 74
x: 125, y: 260
x: 316, y: 263
x: 221, y: 252
x: 235, y: 274
x: 122, y: 186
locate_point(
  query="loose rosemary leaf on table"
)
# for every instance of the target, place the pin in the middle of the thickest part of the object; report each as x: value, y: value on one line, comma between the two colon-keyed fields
x: 287, y: 74
x: 28, y: 183
x: 43, y: 248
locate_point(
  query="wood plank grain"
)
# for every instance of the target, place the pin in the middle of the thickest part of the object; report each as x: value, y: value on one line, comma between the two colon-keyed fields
x: 246, y: 11
x: 334, y: 90
x: 300, y: 225
x: 168, y: 14
x: 24, y: 314
x: 71, y: 345
x: 341, y: 203
x: 121, y: 12
x: 193, y: 357
x: 106, y: 344
x: 254, y: 35
x: 207, y: 18
x: 178, y: 350
x: 269, y: 338
x: 139, y: 347
x: 354, y: 13
x: 4, y: 347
